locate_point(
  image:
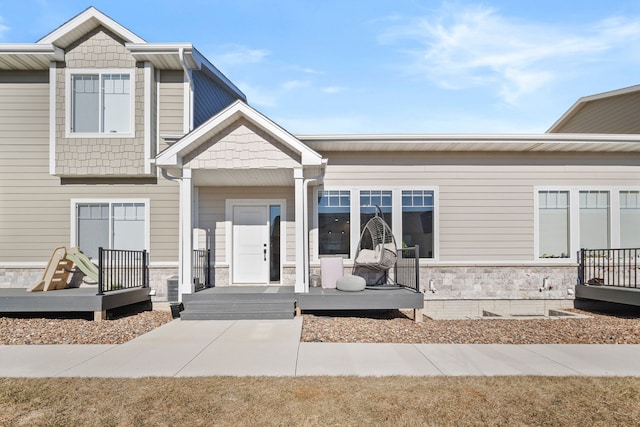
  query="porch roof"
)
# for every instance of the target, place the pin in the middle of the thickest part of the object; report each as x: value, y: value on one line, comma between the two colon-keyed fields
x: 175, y: 155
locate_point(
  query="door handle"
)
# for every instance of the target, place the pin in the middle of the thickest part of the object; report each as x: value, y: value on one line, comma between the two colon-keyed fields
x: 265, y: 251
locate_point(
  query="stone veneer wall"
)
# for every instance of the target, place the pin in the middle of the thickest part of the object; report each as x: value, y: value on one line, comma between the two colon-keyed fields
x: 25, y: 277
x: 99, y: 156
x: 468, y: 291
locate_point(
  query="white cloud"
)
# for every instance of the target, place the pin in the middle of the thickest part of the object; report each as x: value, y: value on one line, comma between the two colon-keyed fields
x: 3, y: 28
x: 311, y: 71
x: 240, y: 55
x: 476, y: 46
x: 294, y: 84
x: 334, y: 89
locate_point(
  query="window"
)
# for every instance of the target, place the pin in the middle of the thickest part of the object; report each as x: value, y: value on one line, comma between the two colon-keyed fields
x: 274, y: 242
x: 368, y: 202
x: 101, y: 103
x: 594, y: 219
x: 553, y: 211
x: 112, y: 225
x: 417, y: 221
x: 630, y: 219
x: 334, y: 218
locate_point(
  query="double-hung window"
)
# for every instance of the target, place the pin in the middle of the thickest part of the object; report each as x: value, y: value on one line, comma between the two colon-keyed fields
x: 554, y: 224
x: 111, y: 225
x: 101, y: 102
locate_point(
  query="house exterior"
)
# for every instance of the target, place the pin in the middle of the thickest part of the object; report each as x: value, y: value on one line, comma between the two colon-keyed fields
x: 178, y: 160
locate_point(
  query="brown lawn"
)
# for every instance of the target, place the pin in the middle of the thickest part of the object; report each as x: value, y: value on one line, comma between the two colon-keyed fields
x: 320, y: 401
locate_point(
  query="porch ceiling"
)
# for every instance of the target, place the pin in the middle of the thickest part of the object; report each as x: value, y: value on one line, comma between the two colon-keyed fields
x: 243, y: 177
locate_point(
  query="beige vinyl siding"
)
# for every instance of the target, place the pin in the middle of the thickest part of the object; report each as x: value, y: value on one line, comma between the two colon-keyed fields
x: 212, y: 212
x: 617, y: 114
x: 35, y: 211
x: 94, y: 155
x: 171, y: 97
x: 485, y: 202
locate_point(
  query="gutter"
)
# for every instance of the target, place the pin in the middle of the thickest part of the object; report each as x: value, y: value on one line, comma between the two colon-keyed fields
x: 305, y: 219
x: 187, y: 73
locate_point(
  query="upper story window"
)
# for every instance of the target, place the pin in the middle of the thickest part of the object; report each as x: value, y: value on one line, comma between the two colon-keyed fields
x: 100, y: 102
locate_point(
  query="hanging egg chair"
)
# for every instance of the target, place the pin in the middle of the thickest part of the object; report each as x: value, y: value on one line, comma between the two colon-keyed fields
x: 377, y: 248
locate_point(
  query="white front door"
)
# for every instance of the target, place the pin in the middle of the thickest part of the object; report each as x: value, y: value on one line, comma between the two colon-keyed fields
x: 250, y: 244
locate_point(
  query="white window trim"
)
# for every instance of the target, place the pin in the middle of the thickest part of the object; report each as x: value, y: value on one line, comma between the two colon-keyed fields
x: 74, y: 217
x: 574, y: 218
x: 228, y: 219
x: 53, y: 105
x: 396, y: 214
x: 69, y: 72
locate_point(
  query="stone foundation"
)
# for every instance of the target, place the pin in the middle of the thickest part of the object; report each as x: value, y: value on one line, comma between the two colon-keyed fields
x: 25, y: 277
x: 468, y: 291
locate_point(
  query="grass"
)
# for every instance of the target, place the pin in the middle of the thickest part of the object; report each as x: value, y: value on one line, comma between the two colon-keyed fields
x: 320, y: 401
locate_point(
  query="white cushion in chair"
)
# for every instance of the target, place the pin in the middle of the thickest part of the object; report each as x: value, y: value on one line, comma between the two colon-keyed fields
x: 351, y: 283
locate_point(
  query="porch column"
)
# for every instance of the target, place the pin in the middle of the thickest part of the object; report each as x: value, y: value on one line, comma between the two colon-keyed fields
x: 298, y: 177
x: 186, y: 233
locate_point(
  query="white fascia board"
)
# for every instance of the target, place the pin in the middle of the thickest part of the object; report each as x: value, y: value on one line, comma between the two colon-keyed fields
x: 90, y: 13
x: 158, y: 48
x: 469, y: 143
x: 55, y: 52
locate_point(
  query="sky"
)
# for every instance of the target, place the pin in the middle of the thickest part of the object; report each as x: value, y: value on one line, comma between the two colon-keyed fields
x: 383, y: 66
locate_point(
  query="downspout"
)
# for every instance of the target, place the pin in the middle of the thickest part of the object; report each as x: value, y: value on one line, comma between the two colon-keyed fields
x: 187, y: 73
x: 305, y: 220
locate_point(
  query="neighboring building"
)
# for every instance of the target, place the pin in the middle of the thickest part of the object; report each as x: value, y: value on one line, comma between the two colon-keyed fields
x: 178, y: 160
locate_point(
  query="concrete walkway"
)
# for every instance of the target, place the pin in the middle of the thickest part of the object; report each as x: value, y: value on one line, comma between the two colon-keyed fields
x: 273, y: 347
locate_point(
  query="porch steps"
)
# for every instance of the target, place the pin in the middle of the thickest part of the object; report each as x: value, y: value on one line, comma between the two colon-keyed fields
x: 237, y: 306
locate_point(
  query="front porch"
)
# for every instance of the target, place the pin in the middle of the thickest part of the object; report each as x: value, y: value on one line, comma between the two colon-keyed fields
x: 71, y: 300
x: 282, y: 302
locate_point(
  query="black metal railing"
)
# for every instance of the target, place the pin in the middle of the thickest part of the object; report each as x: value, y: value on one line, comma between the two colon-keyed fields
x: 407, y: 268
x: 122, y: 269
x: 609, y: 267
x: 201, y: 268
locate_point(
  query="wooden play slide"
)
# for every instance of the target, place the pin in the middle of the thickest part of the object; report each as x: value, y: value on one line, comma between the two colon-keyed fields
x: 57, y: 272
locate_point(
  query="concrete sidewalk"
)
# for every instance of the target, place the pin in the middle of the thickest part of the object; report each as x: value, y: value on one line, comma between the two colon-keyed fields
x: 273, y: 348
